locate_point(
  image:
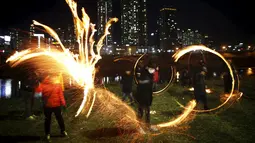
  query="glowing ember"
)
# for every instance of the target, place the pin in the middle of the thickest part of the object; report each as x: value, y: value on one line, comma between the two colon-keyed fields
x: 207, y: 90
x: 82, y: 69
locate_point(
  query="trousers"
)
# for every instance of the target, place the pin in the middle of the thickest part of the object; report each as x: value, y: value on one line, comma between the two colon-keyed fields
x: 48, y: 112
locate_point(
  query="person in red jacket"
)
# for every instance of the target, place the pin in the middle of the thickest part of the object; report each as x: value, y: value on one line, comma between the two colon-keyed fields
x: 53, y: 99
x: 155, y: 79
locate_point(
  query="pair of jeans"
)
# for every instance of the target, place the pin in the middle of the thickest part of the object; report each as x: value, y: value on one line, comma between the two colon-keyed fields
x: 146, y: 110
x: 48, y: 112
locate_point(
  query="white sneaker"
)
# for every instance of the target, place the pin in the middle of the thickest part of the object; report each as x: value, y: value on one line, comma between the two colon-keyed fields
x: 34, y: 116
x: 141, y: 131
x: 154, y: 128
x: 47, y: 138
x: 30, y: 118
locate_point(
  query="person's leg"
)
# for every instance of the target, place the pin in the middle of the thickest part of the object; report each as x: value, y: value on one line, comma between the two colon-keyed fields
x: 130, y: 96
x: 124, y: 96
x: 47, y: 122
x: 32, y: 102
x: 27, y: 102
x: 140, y: 112
x: 204, y: 100
x: 147, y: 115
x: 57, y: 112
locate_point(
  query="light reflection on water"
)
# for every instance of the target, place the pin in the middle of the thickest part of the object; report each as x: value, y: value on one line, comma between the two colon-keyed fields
x: 6, y: 84
x: 5, y: 88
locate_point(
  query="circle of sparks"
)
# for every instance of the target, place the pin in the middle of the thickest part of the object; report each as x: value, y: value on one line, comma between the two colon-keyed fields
x: 182, y: 52
x: 173, y: 73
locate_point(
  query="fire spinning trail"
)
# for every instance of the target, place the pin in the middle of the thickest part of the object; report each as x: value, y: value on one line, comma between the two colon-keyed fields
x: 82, y: 69
x: 182, y: 52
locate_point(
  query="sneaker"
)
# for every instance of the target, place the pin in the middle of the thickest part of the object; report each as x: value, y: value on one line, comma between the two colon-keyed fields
x: 154, y: 128
x: 64, y: 134
x: 141, y: 131
x: 30, y: 118
x: 34, y: 116
x: 47, y: 138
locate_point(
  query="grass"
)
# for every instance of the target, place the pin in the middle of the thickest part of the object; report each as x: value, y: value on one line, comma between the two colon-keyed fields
x: 229, y: 124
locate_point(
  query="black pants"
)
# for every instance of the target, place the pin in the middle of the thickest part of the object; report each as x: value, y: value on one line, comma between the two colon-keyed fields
x: 47, y: 123
x: 29, y: 102
x: 129, y: 95
x: 141, y: 110
x: 202, y: 99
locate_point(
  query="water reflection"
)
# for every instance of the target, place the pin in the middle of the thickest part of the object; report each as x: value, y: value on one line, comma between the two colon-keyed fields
x: 5, y: 88
x: 10, y: 88
x: 108, y: 80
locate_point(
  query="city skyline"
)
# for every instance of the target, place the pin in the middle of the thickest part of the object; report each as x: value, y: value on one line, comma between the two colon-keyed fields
x: 194, y: 15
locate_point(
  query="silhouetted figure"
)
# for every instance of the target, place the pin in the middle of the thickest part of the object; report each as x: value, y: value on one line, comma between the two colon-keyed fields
x: 144, y: 93
x: 28, y: 84
x: 227, y: 82
x: 184, y: 78
x: 126, y: 86
x: 200, y: 86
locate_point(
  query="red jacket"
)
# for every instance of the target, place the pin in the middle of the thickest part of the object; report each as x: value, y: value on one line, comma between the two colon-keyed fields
x: 156, y: 76
x: 52, y: 94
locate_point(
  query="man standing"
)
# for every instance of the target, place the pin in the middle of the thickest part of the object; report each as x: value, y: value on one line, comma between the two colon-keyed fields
x: 144, y: 93
x: 200, y: 86
x: 127, y: 84
x: 27, y: 87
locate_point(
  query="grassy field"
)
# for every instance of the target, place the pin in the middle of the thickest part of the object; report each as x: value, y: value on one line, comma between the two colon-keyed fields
x: 229, y: 124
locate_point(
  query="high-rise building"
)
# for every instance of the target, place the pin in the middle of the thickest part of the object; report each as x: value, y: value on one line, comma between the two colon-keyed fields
x: 207, y: 41
x: 31, y: 32
x: 134, y: 22
x: 104, y: 13
x: 69, y: 38
x: 190, y: 37
x: 61, y: 34
x: 168, y: 29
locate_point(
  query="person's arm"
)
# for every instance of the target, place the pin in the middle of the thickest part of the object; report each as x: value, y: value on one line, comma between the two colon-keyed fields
x: 61, y: 95
x: 38, y: 88
x: 144, y: 81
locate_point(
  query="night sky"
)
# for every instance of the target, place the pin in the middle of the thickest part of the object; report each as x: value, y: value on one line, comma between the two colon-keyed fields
x: 224, y: 20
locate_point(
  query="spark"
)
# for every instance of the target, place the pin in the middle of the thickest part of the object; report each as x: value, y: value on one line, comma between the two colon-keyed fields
x: 181, y: 118
x: 81, y: 68
x: 207, y: 90
x: 182, y: 52
x: 173, y: 73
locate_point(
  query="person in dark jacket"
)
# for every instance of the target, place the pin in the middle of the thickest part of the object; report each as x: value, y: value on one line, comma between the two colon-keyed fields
x: 27, y: 87
x: 227, y: 82
x: 127, y: 84
x: 144, y: 92
x: 184, y: 78
x: 53, y: 101
x: 200, y: 86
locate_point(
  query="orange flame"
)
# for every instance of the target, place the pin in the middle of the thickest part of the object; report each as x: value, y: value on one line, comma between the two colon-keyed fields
x: 81, y: 69
x: 182, y: 117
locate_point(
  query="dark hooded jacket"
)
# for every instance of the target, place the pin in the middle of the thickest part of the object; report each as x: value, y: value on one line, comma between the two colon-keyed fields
x: 144, y: 92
